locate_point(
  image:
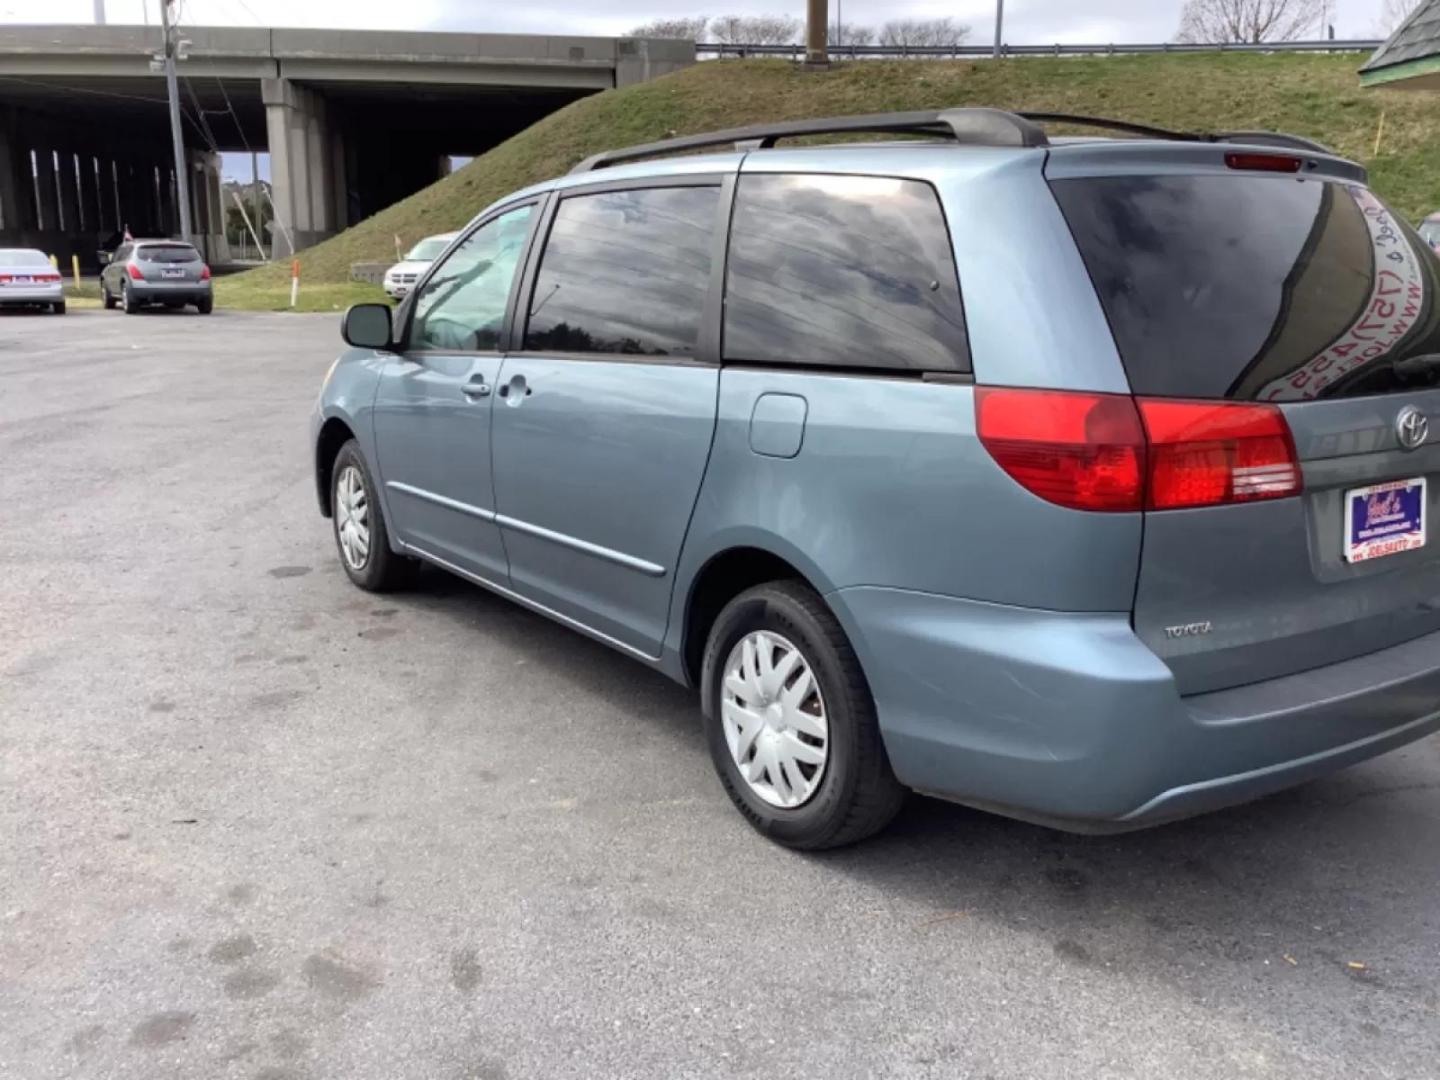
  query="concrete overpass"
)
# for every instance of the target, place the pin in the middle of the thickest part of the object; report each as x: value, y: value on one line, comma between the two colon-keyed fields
x: 353, y: 120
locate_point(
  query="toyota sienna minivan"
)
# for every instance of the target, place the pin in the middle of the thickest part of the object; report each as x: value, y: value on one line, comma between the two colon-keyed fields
x: 1086, y: 480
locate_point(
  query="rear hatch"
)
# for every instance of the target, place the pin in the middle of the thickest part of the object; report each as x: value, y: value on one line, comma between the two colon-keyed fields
x: 1274, y: 282
x: 176, y: 263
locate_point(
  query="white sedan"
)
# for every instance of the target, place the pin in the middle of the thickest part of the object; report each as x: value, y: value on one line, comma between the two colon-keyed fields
x: 401, y: 277
x: 28, y: 280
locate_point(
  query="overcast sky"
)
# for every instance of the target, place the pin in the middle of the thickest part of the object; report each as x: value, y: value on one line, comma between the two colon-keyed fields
x: 1027, y: 21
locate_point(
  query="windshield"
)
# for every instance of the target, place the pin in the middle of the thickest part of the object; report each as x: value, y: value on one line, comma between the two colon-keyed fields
x: 21, y: 257
x: 168, y: 253
x: 428, y: 250
x: 1257, y: 288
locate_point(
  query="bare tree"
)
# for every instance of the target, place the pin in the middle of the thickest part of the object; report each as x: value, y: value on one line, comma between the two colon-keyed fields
x: 755, y: 30
x: 1395, y: 12
x: 852, y: 34
x: 923, y: 32
x: 680, y: 28
x: 1251, y: 21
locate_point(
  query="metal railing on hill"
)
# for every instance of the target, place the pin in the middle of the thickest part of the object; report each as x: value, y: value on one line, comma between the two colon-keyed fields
x: 917, y: 52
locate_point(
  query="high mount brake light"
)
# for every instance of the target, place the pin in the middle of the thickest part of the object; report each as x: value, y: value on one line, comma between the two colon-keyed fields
x: 1280, y: 163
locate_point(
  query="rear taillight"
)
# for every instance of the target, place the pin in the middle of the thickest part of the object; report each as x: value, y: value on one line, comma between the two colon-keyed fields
x: 1110, y: 452
x: 1084, y: 451
x: 1205, y: 453
x: 204, y: 273
x: 48, y: 279
x: 134, y: 272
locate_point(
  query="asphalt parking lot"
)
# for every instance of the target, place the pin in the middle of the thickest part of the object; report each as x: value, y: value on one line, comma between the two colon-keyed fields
x: 257, y: 824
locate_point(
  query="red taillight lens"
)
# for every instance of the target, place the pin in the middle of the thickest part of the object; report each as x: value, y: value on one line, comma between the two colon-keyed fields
x: 134, y: 272
x: 48, y: 279
x: 1084, y: 451
x: 1281, y: 163
x: 1115, y: 453
x: 1205, y: 453
x: 205, y: 273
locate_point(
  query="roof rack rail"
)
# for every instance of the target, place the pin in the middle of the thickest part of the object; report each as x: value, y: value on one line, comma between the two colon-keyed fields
x: 975, y: 126
x: 986, y: 127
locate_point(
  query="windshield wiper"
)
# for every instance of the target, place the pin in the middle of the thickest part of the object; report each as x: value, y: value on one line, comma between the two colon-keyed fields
x: 1422, y: 368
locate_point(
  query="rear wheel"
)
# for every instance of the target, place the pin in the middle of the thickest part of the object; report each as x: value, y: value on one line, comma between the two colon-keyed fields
x: 58, y: 309
x: 127, y: 299
x: 360, y: 534
x: 791, y: 723
x: 206, y: 306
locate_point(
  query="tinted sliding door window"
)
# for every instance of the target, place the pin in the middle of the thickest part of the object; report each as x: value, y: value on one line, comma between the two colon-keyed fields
x: 625, y: 272
x: 842, y: 271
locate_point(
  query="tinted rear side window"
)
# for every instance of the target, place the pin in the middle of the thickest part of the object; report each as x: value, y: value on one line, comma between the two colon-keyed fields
x: 842, y: 271
x: 625, y: 272
x: 1257, y: 287
x: 168, y: 253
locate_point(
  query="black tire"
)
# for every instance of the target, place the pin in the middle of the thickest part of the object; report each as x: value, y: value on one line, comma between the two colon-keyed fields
x: 58, y: 309
x: 383, y: 570
x: 858, y: 794
x: 206, y: 306
x: 105, y: 296
x: 127, y: 300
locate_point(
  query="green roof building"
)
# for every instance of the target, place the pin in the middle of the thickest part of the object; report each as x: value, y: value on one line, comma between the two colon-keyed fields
x: 1410, y: 60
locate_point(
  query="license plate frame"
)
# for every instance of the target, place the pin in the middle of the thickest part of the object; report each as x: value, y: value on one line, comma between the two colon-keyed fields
x: 1378, y: 526
x: 172, y: 274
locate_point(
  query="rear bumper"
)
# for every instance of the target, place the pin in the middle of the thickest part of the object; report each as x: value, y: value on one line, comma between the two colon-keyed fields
x: 1070, y: 720
x: 182, y: 292
x: 41, y: 294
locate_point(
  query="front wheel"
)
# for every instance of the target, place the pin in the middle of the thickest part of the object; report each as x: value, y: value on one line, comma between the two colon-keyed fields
x: 360, y: 534
x: 106, y: 297
x: 791, y: 724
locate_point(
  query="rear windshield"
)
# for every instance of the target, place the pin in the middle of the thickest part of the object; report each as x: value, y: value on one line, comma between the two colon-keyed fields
x: 11, y: 257
x: 168, y: 253
x: 1257, y: 288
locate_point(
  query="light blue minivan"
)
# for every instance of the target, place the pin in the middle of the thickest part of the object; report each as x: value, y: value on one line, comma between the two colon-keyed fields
x: 1088, y: 481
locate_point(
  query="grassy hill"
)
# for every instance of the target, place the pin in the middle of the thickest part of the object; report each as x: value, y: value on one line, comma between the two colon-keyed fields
x: 1312, y: 95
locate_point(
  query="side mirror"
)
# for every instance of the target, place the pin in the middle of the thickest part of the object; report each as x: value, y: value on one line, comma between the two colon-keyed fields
x: 104, y: 257
x: 367, y: 326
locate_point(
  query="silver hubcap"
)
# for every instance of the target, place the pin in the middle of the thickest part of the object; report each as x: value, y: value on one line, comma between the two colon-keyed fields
x: 352, y: 518
x: 774, y: 719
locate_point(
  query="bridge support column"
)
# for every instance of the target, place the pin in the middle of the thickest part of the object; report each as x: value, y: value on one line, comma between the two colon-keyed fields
x: 17, y: 198
x: 303, y: 178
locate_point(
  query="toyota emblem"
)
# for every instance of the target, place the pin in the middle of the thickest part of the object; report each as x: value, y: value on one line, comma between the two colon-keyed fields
x: 1413, y: 427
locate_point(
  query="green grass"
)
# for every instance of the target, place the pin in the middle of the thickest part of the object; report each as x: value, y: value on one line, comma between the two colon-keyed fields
x: 255, y: 291
x: 1312, y: 95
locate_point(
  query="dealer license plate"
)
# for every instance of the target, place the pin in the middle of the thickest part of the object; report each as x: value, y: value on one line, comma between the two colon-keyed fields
x: 1384, y: 519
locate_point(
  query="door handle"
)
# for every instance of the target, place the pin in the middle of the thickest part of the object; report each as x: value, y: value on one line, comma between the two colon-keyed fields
x: 476, y: 389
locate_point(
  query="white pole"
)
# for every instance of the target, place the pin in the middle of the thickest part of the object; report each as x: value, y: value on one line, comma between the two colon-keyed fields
x: 99, y: 12
x: 241, y: 204
x: 999, y: 26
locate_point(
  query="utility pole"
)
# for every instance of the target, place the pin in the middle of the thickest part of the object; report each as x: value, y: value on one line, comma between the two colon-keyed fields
x: 99, y: 12
x: 999, y: 26
x: 182, y: 175
x: 817, y: 29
